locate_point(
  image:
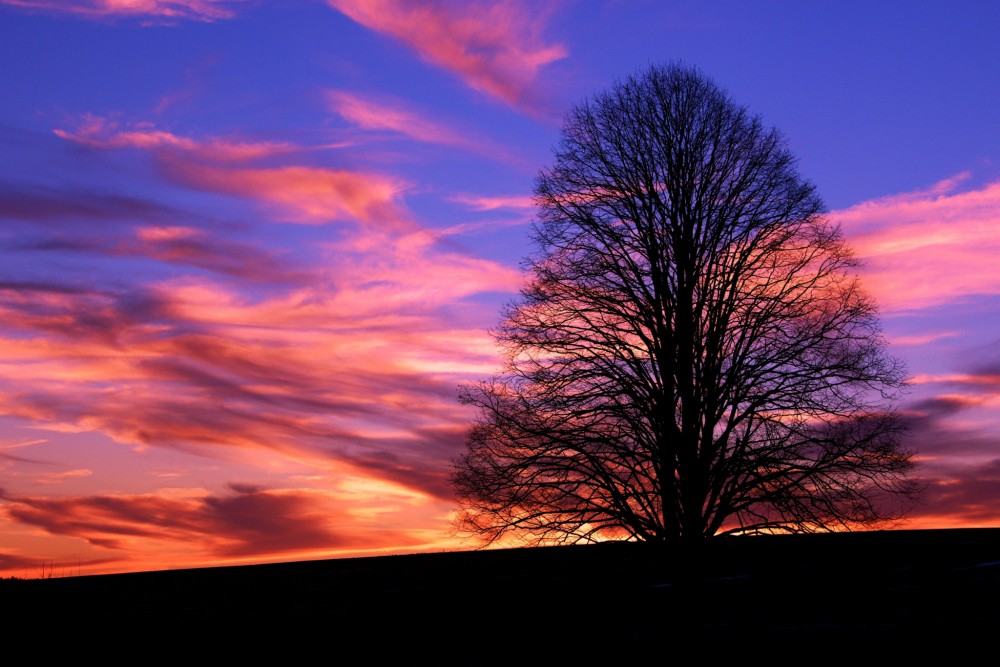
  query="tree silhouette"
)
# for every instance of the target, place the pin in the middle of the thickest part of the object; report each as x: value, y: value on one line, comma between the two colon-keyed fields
x: 693, y: 353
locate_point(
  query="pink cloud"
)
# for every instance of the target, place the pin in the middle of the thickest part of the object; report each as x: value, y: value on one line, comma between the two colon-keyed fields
x: 928, y: 247
x: 55, y: 222
x: 496, y: 48
x: 100, y: 132
x: 199, y: 10
x: 484, y: 203
x: 392, y: 116
x: 360, y: 370
x: 340, y: 360
x: 390, y: 263
x: 922, y: 339
x: 304, y: 194
x: 60, y: 477
x: 187, y: 246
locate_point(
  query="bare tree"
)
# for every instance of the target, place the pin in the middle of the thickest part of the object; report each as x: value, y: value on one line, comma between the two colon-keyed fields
x: 693, y: 353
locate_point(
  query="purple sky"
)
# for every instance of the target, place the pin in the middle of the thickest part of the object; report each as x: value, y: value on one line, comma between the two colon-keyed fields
x: 249, y: 248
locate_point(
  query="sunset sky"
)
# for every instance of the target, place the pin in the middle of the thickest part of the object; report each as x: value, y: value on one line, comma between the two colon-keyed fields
x: 250, y: 248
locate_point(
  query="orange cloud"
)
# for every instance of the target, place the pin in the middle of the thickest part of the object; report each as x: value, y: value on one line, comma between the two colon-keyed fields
x: 199, y: 10
x: 338, y: 360
x: 960, y: 497
x: 176, y: 527
x: 246, y: 521
x: 304, y: 194
x: 496, y: 48
x: 358, y: 368
x: 928, y: 247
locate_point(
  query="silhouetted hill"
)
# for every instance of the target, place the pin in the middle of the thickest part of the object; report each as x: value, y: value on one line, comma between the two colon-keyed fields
x: 835, y: 590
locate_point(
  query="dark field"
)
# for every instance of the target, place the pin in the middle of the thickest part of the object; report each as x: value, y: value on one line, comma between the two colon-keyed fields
x: 834, y: 592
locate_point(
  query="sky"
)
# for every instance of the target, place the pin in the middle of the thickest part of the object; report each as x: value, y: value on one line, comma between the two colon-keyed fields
x: 249, y: 249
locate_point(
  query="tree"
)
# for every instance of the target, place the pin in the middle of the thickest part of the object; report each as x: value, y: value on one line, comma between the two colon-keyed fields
x: 693, y: 353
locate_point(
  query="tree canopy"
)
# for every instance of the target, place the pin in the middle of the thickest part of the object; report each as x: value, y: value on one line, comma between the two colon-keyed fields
x: 692, y: 353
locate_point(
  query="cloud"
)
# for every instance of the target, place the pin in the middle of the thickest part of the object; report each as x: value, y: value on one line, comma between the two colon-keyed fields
x: 21, y: 443
x: 163, y: 10
x: 331, y: 350
x: 7, y: 458
x: 100, y: 132
x: 361, y: 374
x: 171, y: 527
x: 57, y: 206
x: 952, y: 422
x: 392, y: 116
x: 961, y: 498
x: 390, y: 262
x: 496, y: 48
x: 358, y: 368
x: 173, y: 245
x: 929, y: 247
x: 386, y: 114
x: 187, y: 246
x: 492, y: 203
x: 60, y: 477
x: 956, y: 463
x: 308, y: 195
x: 248, y: 521
x: 921, y: 339
x: 295, y: 193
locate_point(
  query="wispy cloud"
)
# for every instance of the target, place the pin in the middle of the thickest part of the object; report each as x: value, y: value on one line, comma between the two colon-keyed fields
x: 962, y: 498
x: 957, y: 458
x: 928, y: 247
x: 244, y: 522
x: 188, y: 246
x: 492, y: 203
x: 53, y: 224
x: 348, y: 359
x: 309, y: 195
x: 959, y: 462
x: 163, y: 10
x: 922, y: 339
x: 392, y: 116
x: 362, y: 372
x: 101, y: 132
x: 295, y: 193
x: 389, y: 115
x: 247, y: 521
x: 59, y: 477
x: 496, y: 48
x: 47, y: 205
x: 332, y: 349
